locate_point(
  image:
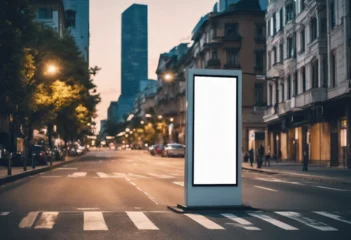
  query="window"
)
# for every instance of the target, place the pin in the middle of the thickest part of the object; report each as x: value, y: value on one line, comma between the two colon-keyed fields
x: 333, y: 70
x: 323, y: 27
x: 325, y: 72
x: 302, y: 5
x: 291, y: 48
x: 296, y: 85
x: 214, y: 54
x: 274, y: 55
x: 281, y: 49
x: 269, y: 59
x: 212, y: 33
x: 276, y: 92
x: 283, y: 95
x: 332, y: 14
x: 259, y: 93
x: 232, y: 29
x: 314, y: 65
x: 233, y: 57
x: 71, y: 18
x: 289, y: 87
x: 290, y: 11
x: 44, y: 13
x: 313, y: 29
x: 303, y: 76
x: 274, y: 24
x: 259, y: 59
x: 302, y: 40
x: 270, y: 94
x: 260, y: 31
x: 269, y: 28
x: 281, y: 18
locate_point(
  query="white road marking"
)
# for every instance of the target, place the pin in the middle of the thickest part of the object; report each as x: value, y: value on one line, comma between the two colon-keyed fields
x: 278, y: 181
x: 160, y: 175
x: 335, y: 189
x: 28, y: 221
x: 94, y: 221
x: 104, y: 175
x: 132, y: 175
x: 51, y: 176
x: 87, y: 209
x: 120, y: 175
x: 65, y: 169
x: 141, y: 221
x: 4, y: 213
x: 273, y: 221
x: 150, y: 197
x: 268, y: 189
x: 179, y: 183
x: 205, y: 222
x: 307, y: 221
x: 46, y: 220
x: 333, y: 216
x: 78, y: 174
x: 242, y: 222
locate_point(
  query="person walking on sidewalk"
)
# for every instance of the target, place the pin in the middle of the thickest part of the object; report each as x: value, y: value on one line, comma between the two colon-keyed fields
x: 251, y: 156
x: 260, y: 156
x: 305, y: 160
x: 279, y: 158
x: 267, y: 158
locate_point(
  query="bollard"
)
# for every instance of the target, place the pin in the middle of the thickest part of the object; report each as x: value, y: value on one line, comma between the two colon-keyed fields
x: 25, y: 164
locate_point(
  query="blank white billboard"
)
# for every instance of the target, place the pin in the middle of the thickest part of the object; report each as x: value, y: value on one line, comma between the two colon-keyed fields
x: 215, y: 136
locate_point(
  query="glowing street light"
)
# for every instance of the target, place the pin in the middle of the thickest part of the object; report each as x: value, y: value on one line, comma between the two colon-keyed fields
x: 52, y: 69
x: 127, y: 129
x: 159, y: 116
x: 171, y: 119
x: 141, y: 122
x: 148, y: 115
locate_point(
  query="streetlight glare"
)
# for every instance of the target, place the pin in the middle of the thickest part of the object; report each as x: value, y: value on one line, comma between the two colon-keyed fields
x: 160, y: 116
x: 52, y: 69
x: 168, y: 77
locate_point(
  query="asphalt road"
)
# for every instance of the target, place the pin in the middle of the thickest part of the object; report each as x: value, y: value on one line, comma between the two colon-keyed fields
x: 125, y: 194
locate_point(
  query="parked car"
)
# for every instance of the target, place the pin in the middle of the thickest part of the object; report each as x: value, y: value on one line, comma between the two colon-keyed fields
x: 156, y: 149
x: 41, y: 155
x: 174, y: 150
x: 59, y: 154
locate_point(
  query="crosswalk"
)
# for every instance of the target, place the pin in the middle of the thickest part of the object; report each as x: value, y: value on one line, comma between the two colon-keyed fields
x: 248, y: 221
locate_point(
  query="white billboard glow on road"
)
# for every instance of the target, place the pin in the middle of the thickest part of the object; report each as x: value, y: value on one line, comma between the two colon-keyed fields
x: 215, y: 131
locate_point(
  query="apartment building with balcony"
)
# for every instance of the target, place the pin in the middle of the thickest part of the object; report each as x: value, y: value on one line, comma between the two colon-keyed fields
x: 308, y: 80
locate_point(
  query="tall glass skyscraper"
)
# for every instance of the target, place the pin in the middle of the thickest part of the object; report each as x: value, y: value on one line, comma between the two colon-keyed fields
x: 134, y: 49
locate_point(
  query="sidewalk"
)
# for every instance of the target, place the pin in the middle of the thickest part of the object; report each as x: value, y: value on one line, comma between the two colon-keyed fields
x: 18, y: 173
x: 315, y: 171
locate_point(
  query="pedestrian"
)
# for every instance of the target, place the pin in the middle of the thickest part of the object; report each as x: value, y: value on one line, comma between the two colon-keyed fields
x: 279, y: 159
x: 267, y: 158
x: 305, y: 160
x: 246, y: 156
x: 251, y: 156
x: 260, y: 156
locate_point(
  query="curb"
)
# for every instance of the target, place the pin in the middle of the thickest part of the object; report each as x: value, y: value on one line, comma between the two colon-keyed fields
x: 181, y: 209
x: 304, y: 176
x: 13, y: 178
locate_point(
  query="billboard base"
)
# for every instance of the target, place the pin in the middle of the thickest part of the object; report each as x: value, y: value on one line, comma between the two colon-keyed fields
x: 184, y: 209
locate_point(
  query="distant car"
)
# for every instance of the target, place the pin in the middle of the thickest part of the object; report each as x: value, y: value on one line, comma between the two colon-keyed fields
x: 174, y: 150
x: 58, y: 154
x: 40, y: 154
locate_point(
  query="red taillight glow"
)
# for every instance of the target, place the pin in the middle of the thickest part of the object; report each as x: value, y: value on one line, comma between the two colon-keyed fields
x: 41, y: 154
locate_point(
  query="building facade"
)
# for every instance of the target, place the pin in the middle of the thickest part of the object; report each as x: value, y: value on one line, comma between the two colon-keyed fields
x: 222, y: 5
x: 112, y: 112
x: 134, y: 49
x: 77, y: 21
x: 50, y: 12
x: 308, y: 80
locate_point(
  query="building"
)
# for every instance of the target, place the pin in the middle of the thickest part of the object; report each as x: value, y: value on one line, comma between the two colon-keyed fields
x: 77, y: 21
x: 222, y: 5
x: 112, y: 112
x: 308, y: 73
x: 147, y: 84
x: 134, y: 49
x: 50, y: 12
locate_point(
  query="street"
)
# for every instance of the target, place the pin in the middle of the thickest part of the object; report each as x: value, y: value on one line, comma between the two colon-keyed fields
x: 125, y: 194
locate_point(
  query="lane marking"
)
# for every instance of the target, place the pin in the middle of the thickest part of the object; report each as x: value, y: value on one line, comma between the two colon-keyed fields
x: 4, y: 213
x: 149, y: 196
x: 87, y: 209
x: 241, y: 222
x: 136, y: 175
x: 94, y: 221
x: 335, y: 189
x: 161, y: 176
x: 205, y: 222
x: 28, y: 221
x: 120, y: 175
x: 273, y: 221
x: 278, y: 181
x: 268, y: 189
x: 307, y: 221
x: 78, y: 174
x: 179, y: 183
x: 65, y: 169
x: 104, y: 175
x: 47, y: 220
x: 51, y: 176
x: 141, y: 221
x: 333, y: 216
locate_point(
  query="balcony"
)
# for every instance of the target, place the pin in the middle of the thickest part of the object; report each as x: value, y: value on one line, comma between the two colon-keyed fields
x: 270, y: 113
x: 313, y: 95
x: 319, y: 45
x: 232, y: 66
x: 286, y: 106
x: 213, y: 63
x: 232, y: 38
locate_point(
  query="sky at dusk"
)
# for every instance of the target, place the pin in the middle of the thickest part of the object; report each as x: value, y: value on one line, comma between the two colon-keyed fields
x: 170, y: 23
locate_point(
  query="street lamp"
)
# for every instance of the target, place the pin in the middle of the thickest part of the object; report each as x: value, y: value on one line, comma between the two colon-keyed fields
x: 141, y: 122
x: 52, y: 69
x: 159, y: 117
